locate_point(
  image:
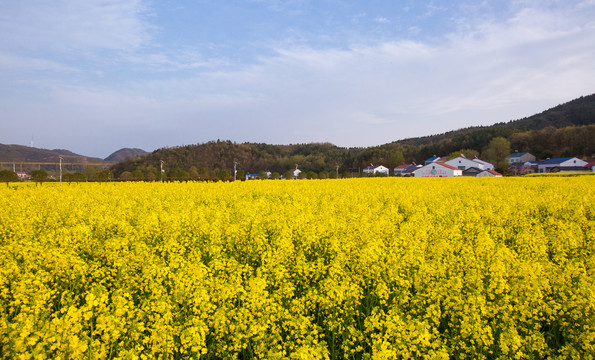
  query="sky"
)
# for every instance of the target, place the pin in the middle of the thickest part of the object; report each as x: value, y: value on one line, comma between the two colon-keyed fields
x: 95, y: 76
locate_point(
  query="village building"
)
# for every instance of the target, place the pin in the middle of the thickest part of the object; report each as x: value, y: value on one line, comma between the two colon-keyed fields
x: 567, y: 164
x: 520, y: 157
x: 399, y: 169
x: 378, y: 169
x: 528, y: 167
x: 410, y: 169
x: 433, y: 159
x: 438, y: 169
x: 461, y: 162
x: 472, y: 171
x: 489, y: 173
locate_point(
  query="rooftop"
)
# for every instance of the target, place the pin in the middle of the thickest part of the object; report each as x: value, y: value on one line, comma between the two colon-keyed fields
x: 517, y: 154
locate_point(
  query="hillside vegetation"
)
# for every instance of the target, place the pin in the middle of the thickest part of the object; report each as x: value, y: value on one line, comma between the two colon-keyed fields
x: 565, y: 130
x: 126, y: 153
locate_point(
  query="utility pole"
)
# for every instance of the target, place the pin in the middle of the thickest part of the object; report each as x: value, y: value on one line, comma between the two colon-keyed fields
x: 161, y: 162
x: 60, y: 170
x: 235, y: 171
x: 337, y: 171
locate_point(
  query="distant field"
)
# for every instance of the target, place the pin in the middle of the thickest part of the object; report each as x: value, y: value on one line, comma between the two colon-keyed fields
x: 383, y: 268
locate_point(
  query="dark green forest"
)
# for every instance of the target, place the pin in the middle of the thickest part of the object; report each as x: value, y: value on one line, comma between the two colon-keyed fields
x: 565, y: 130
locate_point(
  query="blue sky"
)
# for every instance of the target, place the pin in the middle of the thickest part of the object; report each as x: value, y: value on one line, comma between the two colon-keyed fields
x: 97, y: 75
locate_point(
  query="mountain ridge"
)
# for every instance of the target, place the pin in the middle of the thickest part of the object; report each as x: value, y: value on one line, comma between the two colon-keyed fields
x: 21, y: 153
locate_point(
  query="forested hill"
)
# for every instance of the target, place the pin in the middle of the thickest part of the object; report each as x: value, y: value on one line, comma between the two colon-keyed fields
x: 125, y: 153
x: 209, y: 158
x: 565, y: 130
x: 577, y: 112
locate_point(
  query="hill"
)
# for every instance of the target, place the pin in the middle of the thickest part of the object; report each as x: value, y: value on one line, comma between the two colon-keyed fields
x: 19, y: 153
x: 126, y: 153
x: 208, y: 159
x: 577, y: 112
x: 565, y: 130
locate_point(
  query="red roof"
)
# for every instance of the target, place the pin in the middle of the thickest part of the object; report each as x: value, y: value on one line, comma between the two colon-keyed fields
x: 494, y: 172
x: 447, y: 166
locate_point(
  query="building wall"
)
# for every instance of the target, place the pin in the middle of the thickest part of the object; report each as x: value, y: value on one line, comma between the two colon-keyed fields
x: 543, y: 168
x: 466, y: 163
x: 527, y: 157
x: 487, y: 174
x: 521, y: 159
x: 436, y: 170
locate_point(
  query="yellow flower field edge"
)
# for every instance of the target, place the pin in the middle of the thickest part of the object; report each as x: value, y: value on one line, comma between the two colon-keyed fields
x: 331, y: 269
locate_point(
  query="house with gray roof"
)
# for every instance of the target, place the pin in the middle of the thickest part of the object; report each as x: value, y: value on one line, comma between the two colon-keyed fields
x: 520, y: 157
x: 566, y: 164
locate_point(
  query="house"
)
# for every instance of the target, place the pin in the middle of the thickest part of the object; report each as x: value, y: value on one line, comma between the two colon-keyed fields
x: 378, y: 169
x: 489, y: 173
x: 410, y: 169
x: 296, y: 172
x: 438, y: 169
x: 461, y: 162
x: 567, y: 164
x: 472, y: 171
x: 251, y: 176
x: 528, y: 167
x: 520, y: 157
x: 23, y: 175
x: 486, y: 165
x: 590, y: 166
x: 433, y: 159
x: 399, y: 169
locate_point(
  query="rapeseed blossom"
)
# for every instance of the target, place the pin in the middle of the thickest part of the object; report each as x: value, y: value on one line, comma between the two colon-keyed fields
x: 379, y: 268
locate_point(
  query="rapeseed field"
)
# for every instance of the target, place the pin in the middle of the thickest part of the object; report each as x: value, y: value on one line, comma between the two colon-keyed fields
x: 382, y: 268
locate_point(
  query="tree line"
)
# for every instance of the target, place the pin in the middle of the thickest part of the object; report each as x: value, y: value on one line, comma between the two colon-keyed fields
x: 90, y: 173
x: 216, y: 159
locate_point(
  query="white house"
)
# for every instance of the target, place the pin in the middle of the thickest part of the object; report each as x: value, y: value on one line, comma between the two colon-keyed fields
x: 438, y: 169
x: 489, y: 173
x: 296, y: 173
x: 378, y: 169
x: 567, y: 164
x: 463, y: 163
x: 486, y: 165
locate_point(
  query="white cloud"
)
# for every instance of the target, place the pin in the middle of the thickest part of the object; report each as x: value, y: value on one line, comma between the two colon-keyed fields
x: 366, y: 94
x: 15, y: 62
x: 72, y: 25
